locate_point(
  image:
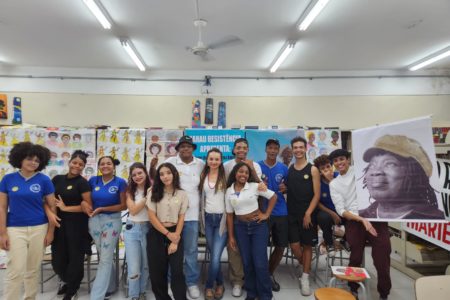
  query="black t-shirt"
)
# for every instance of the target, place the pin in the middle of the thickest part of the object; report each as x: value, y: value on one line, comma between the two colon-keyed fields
x: 300, y: 190
x: 70, y: 190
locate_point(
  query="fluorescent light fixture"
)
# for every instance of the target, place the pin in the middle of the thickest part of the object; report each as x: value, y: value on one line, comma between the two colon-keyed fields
x: 281, y: 56
x: 430, y: 59
x: 131, y: 50
x: 99, y: 12
x: 312, y: 11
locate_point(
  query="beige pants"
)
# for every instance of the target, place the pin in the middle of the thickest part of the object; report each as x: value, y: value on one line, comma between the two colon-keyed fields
x: 24, y: 260
x: 235, y: 267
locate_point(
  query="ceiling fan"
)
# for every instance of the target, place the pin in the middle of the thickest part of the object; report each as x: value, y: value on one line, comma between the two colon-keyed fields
x: 201, y: 49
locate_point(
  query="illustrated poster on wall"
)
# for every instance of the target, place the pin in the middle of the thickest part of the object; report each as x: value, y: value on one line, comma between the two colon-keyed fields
x: 321, y: 141
x: 161, y: 143
x: 3, y: 106
x: 396, y: 173
x: 60, y: 142
x: 126, y: 145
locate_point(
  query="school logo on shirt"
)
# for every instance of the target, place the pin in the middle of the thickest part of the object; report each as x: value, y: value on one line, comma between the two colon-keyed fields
x: 279, y: 178
x: 113, y: 189
x: 324, y: 195
x: 35, y: 188
x: 69, y: 187
x: 306, y: 176
x: 97, y: 188
x: 15, y: 188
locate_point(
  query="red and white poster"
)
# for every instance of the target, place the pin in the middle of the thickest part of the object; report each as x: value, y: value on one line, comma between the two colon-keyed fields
x: 436, y: 233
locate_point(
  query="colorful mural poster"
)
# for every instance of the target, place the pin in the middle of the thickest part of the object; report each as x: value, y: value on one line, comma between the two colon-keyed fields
x: 321, y: 141
x: 126, y: 145
x: 3, y: 106
x: 257, y: 143
x: 223, y: 139
x: 396, y: 172
x: 161, y: 143
x: 60, y: 141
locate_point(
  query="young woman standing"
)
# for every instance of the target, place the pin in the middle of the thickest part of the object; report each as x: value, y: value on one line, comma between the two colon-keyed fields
x: 167, y: 205
x: 249, y: 229
x: 72, y: 238
x: 105, y: 223
x: 213, y: 219
x: 24, y: 228
x: 136, y: 231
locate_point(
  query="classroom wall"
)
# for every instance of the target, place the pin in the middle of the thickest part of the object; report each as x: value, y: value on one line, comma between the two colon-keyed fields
x: 348, y: 99
x: 347, y: 112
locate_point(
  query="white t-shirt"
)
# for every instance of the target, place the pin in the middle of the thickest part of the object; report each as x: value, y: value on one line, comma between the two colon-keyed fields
x: 142, y: 215
x: 214, y: 202
x: 343, y: 193
x: 189, y: 181
x: 246, y: 201
x: 229, y: 165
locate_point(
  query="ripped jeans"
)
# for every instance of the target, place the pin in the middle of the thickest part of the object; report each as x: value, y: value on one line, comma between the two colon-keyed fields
x: 135, y: 236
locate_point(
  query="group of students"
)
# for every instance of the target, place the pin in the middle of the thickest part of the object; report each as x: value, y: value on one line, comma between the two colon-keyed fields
x: 238, y: 204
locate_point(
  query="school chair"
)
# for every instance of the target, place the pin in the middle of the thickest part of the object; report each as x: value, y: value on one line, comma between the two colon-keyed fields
x: 328, y: 293
x: 433, y: 287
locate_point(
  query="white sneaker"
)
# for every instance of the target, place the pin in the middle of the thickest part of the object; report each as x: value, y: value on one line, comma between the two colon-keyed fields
x: 194, y: 291
x: 237, y: 290
x: 305, y: 288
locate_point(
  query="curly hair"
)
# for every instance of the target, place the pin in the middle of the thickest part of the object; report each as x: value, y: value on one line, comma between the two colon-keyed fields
x: 416, y: 185
x: 158, y: 185
x: 322, y: 161
x: 221, y: 180
x: 232, y: 176
x: 132, y: 186
x: 22, y: 150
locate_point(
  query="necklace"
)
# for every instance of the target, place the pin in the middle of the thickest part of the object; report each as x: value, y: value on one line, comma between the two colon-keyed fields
x: 209, y: 185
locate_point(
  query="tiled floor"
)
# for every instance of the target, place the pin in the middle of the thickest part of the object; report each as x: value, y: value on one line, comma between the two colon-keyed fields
x: 402, y: 285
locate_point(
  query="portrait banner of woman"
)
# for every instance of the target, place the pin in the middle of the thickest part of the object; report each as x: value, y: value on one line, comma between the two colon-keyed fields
x: 396, y: 172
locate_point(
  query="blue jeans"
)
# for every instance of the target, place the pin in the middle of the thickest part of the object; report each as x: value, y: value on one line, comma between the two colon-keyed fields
x: 136, y: 253
x: 105, y: 230
x: 216, y: 244
x: 190, y: 239
x: 252, y: 238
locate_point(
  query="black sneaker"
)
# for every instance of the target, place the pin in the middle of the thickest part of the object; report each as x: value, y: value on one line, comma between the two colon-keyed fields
x: 70, y: 297
x: 275, y: 284
x: 108, y: 295
x: 61, y: 290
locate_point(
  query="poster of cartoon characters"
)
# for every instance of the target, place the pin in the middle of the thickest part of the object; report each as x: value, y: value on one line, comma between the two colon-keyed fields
x: 126, y: 145
x: 161, y: 143
x: 321, y: 141
x: 60, y: 141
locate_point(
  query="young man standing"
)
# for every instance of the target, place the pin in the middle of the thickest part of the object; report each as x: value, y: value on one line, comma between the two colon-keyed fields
x: 303, y: 191
x: 359, y: 230
x: 326, y: 214
x: 189, y: 168
x: 274, y: 174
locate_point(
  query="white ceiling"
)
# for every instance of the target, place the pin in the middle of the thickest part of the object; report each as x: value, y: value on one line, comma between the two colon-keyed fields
x: 347, y: 35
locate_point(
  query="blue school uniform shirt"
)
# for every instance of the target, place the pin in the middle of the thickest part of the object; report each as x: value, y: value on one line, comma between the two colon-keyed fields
x: 325, y: 197
x: 274, y: 176
x: 26, y: 198
x: 106, y: 194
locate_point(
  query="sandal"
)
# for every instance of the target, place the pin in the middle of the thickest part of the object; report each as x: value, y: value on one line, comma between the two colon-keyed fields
x: 209, y: 294
x: 218, y: 294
